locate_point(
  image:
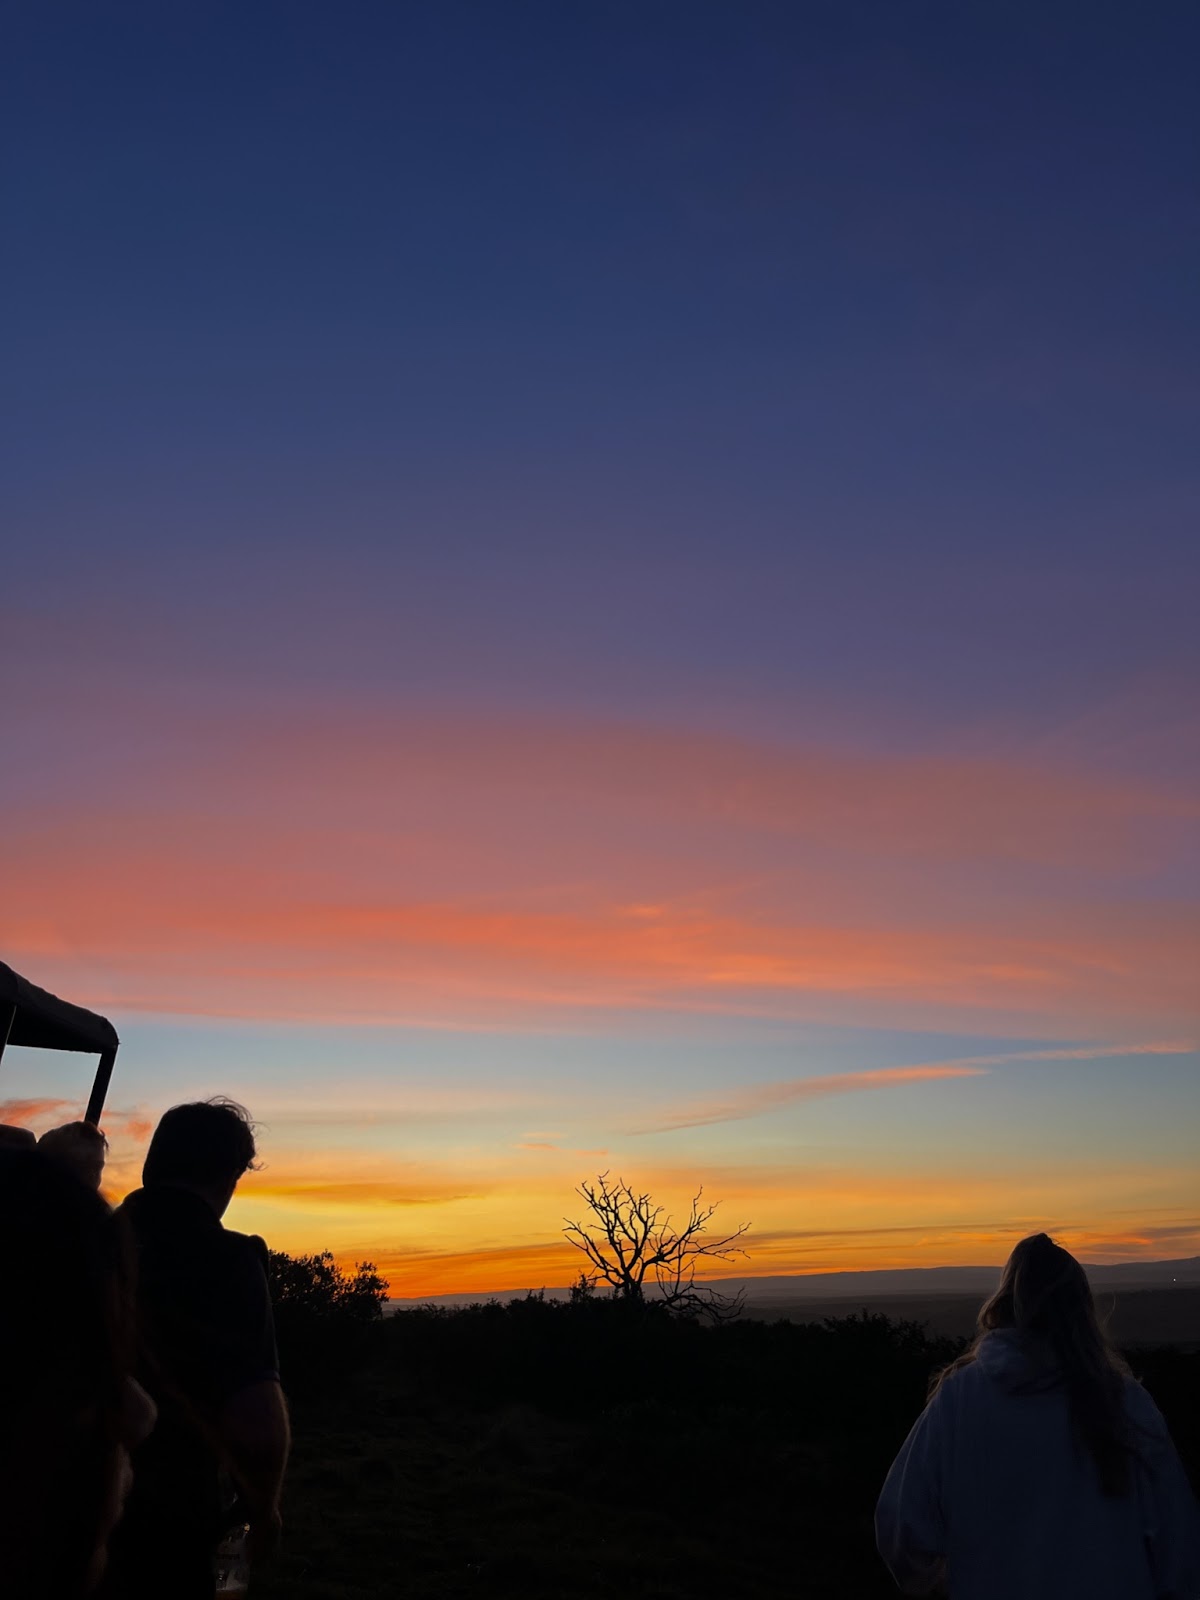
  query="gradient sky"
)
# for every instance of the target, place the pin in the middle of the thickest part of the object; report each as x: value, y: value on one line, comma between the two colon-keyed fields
x: 614, y: 586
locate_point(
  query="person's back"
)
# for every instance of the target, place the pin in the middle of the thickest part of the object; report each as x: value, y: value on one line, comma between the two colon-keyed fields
x: 208, y: 1358
x: 1040, y: 1469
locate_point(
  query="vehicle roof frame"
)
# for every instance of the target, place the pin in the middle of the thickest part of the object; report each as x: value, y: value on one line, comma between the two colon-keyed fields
x: 36, y: 1019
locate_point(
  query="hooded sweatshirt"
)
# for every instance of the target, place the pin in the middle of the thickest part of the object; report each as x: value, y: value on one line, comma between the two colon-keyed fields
x: 994, y: 1498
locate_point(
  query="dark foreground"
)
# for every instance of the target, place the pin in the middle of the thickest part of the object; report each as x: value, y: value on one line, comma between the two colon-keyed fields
x: 552, y: 1451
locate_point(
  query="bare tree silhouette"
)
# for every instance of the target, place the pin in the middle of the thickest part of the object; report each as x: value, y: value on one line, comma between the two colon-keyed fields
x: 634, y: 1246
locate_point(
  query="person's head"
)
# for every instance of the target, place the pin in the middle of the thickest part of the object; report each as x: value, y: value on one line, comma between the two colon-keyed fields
x: 1044, y: 1292
x: 71, y: 1410
x: 78, y: 1146
x: 1044, y: 1295
x: 205, y: 1146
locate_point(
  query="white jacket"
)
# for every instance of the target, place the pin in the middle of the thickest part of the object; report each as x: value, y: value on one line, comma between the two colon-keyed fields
x: 993, y: 1497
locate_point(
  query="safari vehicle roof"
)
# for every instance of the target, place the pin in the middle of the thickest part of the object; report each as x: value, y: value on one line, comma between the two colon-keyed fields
x: 44, y: 1022
x: 33, y: 1017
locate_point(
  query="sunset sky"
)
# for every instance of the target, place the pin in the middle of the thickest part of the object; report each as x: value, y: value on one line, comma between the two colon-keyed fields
x: 614, y: 587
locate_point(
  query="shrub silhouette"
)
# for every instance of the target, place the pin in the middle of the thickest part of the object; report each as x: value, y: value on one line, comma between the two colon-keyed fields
x: 595, y: 1355
x: 324, y: 1317
x: 317, y: 1286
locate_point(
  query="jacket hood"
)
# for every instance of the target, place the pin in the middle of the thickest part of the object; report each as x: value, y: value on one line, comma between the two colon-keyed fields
x: 1016, y: 1362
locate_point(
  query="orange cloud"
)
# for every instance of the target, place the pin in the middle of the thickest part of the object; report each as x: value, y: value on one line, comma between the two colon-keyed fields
x: 357, y: 1193
x: 414, y: 1273
x: 48, y: 1113
x: 26, y: 1113
x: 342, y: 1185
x: 174, y: 937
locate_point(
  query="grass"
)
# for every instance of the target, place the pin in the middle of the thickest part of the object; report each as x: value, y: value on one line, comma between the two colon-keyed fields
x: 393, y: 1492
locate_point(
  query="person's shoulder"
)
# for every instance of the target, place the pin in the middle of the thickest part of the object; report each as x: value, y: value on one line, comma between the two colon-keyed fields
x: 954, y: 1388
x: 132, y: 1207
x: 147, y: 1221
x: 247, y: 1249
x: 1141, y: 1409
x: 254, y: 1243
x: 961, y: 1376
x: 966, y: 1388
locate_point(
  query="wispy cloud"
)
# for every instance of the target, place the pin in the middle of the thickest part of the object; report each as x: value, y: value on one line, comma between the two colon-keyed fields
x: 356, y: 1193
x: 490, y: 1270
x: 770, y: 1096
x: 760, y: 1098
x: 561, y: 1149
x: 29, y: 1113
x: 348, y: 1181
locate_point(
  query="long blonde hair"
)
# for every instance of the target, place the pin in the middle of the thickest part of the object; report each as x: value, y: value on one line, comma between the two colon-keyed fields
x: 1044, y: 1294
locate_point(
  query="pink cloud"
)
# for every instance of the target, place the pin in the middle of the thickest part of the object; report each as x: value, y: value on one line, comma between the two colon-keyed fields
x: 460, y: 872
x: 28, y: 1113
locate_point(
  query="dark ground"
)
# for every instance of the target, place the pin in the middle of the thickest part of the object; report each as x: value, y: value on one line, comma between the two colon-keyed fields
x: 547, y: 1451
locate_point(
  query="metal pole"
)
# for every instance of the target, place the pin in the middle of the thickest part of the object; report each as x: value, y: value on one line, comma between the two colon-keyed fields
x: 100, y: 1088
x: 8, y: 1027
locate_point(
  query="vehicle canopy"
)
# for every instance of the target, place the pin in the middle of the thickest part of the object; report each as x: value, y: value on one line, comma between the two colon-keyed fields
x: 35, y: 1018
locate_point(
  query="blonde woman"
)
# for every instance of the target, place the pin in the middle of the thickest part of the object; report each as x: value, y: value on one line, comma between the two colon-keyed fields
x: 1040, y: 1469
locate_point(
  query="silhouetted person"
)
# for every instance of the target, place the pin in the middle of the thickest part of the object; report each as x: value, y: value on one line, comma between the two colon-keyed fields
x: 208, y: 1343
x: 71, y: 1411
x: 1040, y: 1469
x: 80, y: 1147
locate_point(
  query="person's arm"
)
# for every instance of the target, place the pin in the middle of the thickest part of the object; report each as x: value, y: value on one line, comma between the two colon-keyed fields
x: 254, y: 1435
x: 251, y: 1417
x: 909, y: 1526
